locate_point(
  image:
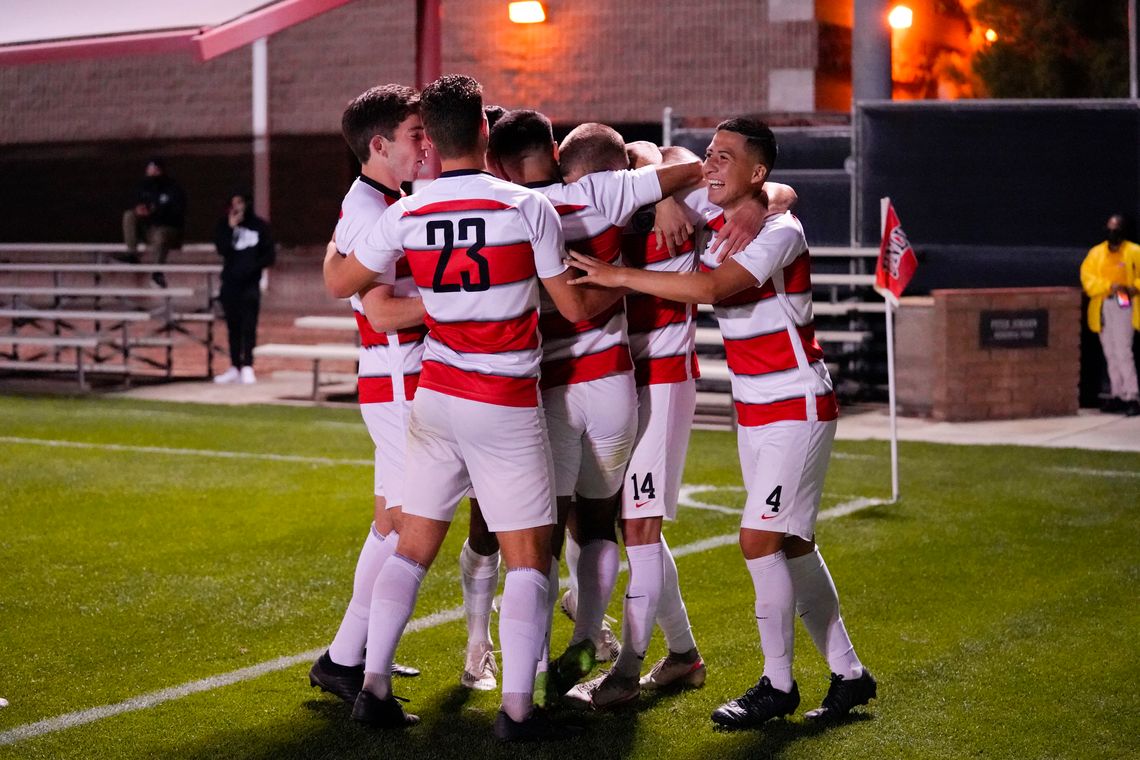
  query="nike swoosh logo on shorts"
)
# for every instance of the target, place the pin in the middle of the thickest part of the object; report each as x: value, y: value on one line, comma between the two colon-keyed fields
x: 640, y: 504
x: 768, y: 517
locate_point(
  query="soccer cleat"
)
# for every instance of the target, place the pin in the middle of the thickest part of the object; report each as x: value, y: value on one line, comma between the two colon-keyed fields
x: 608, y: 691
x: 382, y: 713
x: 672, y: 672
x: 231, y: 375
x: 607, y: 646
x: 759, y: 704
x: 570, y: 668
x: 480, y: 669
x: 344, y: 681
x: 404, y: 671
x: 844, y: 694
x: 536, y: 727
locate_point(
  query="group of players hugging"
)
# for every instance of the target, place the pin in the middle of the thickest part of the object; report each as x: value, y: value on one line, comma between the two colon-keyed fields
x: 527, y: 341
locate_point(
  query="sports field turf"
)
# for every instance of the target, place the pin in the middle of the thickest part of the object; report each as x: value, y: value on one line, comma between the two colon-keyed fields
x: 168, y: 544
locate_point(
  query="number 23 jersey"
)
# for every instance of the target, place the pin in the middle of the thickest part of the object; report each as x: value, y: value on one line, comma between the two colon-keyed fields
x: 476, y: 246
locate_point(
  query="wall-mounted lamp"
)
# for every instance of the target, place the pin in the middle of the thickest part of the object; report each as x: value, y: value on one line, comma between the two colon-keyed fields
x: 528, y: 12
x: 900, y: 17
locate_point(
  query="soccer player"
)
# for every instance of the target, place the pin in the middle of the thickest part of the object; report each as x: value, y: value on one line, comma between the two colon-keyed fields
x: 587, y: 372
x: 477, y: 247
x: 382, y: 127
x: 787, y: 414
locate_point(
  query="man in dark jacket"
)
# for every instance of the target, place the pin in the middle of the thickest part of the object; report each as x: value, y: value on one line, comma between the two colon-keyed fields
x: 158, y: 216
x: 246, y: 245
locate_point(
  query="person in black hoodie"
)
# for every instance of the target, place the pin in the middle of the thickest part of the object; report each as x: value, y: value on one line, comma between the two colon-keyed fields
x: 246, y: 246
x: 158, y: 216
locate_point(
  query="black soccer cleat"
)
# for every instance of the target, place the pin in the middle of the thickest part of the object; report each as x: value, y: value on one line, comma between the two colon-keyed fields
x: 538, y: 727
x: 344, y: 681
x: 382, y: 713
x: 844, y: 694
x: 759, y: 704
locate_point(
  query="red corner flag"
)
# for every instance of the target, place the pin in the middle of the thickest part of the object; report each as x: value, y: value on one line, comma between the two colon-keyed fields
x: 897, y: 261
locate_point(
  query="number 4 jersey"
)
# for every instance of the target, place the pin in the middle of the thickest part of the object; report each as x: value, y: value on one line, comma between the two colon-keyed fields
x: 476, y: 246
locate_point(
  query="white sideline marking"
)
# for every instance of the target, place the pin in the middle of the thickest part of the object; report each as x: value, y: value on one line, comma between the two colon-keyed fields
x: 187, y: 452
x: 90, y: 715
x: 1097, y: 473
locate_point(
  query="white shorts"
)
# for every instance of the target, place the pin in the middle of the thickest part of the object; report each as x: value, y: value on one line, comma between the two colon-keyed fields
x: 784, y: 465
x: 502, y: 451
x: 387, y: 423
x: 664, y: 420
x: 592, y: 426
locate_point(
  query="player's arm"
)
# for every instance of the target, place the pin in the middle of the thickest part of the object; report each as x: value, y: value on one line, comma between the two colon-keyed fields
x: 579, y: 303
x: 738, y: 232
x: 344, y: 275
x: 387, y: 312
x: 686, y: 287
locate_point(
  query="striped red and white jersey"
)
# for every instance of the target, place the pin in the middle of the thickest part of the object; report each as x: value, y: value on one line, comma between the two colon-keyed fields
x: 476, y: 246
x: 593, y: 211
x: 775, y: 362
x: 662, y: 333
x: 385, y: 358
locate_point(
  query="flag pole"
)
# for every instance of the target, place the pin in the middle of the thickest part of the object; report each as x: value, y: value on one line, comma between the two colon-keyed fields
x: 889, y: 303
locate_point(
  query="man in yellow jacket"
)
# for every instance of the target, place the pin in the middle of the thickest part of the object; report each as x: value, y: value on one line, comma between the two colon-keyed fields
x: 1110, y: 275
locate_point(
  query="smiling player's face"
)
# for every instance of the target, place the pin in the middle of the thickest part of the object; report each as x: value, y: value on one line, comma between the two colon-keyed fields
x: 731, y: 169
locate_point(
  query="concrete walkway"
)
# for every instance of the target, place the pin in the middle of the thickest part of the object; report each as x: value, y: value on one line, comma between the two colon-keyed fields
x: 1087, y: 430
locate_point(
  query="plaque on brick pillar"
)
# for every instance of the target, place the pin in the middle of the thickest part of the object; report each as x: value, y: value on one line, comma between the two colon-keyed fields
x: 1028, y: 328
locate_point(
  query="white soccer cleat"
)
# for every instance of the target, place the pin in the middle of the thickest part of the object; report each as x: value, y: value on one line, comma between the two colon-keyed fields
x: 247, y: 376
x: 606, y: 692
x: 480, y: 670
x: 231, y: 375
x: 671, y: 672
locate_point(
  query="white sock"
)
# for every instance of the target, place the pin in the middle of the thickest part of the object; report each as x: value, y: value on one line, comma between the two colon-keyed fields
x: 480, y: 575
x: 640, y: 606
x: 393, y: 599
x: 775, y: 616
x: 522, y: 623
x: 573, y: 552
x: 551, y: 600
x: 347, y: 647
x: 817, y: 604
x: 671, y: 613
x: 597, y: 574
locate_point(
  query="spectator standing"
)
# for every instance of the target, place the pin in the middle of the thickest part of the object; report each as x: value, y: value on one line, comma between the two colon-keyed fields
x: 246, y: 246
x: 158, y: 217
x: 1110, y: 275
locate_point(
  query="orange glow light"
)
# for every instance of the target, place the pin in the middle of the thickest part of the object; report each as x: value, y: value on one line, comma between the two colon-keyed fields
x: 529, y: 12
x: 991, y: 35
x: 900, y: 17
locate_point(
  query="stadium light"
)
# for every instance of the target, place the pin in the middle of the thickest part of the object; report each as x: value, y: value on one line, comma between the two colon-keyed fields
x: 528, y: 12
x: 991, y: 35
x: 900, y: 17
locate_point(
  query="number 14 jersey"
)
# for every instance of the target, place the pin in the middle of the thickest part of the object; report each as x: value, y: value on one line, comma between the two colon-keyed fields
x: 476, y: 246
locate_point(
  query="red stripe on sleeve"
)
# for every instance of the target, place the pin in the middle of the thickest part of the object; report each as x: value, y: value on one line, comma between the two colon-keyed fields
x: 752, y: 415
x: 505, y: 264
x: 492, y: 337
x: 566, y: 209
x: 474, y: 204
x: 476, y: 386
x: 582, y: 369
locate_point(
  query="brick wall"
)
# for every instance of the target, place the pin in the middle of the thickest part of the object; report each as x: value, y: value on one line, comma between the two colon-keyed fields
x: 600, y: 60
x: 972, y: 382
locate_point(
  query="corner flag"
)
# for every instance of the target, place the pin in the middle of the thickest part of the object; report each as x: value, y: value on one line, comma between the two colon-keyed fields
x: 897, y: 261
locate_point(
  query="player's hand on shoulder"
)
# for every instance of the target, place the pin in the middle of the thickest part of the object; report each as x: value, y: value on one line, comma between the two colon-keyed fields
x: 671, y: 226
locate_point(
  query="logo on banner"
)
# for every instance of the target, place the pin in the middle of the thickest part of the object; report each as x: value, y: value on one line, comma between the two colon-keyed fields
x: 897, y: 261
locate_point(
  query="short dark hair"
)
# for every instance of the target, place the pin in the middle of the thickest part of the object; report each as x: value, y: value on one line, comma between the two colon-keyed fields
x: 592, y: 147
x: 493, y: 114
x: 376, y: 111
x: 519, y: 132
x: 757, y: 135
x: 452, y: 110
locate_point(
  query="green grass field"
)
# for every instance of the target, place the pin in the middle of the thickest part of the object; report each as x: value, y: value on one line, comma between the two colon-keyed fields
x: 166, y: 544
